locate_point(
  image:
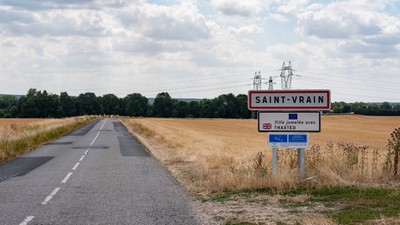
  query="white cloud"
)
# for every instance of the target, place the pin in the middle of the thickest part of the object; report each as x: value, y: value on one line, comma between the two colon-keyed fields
x: 369, y: 50
x: 66, y: 22
x: 181, y: 22
x: 240, y: 8
x: 292, y: 6
x: 361, y: 27
x: 346, y: 19
x: 279, y: 17
x: 251, y: 30
x: 123, y: 46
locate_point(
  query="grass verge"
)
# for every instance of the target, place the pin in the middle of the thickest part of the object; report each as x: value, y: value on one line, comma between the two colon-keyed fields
x: 38, y: 135
x: 337, y: 204
x: 358, y: 205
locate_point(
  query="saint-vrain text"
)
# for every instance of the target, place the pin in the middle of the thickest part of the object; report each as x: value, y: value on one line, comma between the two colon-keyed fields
x: 293, y: 99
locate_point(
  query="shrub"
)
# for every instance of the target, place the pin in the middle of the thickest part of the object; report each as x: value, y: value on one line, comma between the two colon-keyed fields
x: 393, y: 151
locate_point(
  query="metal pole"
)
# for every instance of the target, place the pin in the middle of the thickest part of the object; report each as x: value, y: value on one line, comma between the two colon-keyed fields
x: 300, y: 160
x: 274, y: 161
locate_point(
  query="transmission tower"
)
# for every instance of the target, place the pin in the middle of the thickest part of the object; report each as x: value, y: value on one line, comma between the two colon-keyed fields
x: 286, y: 76
x: 270, y: 83
x: 257, y: 81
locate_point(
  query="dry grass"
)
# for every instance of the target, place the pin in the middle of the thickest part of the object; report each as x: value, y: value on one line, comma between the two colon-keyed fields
x: 11, y: 129
x: 213, y: 155
x: 18, y: 136
x: 316, y: 220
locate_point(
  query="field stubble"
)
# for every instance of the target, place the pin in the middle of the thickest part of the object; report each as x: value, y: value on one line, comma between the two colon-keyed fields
x: 213, y: 155
x: 220, y: 160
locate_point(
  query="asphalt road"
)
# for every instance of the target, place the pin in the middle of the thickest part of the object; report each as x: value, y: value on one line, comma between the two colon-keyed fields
x: 98, y: 174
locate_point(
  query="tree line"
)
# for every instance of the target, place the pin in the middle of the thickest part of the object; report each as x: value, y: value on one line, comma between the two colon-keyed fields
x: 41, y: 104
x: 375, y: 109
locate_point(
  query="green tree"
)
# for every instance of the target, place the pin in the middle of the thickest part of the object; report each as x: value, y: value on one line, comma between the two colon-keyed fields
x: 225, y: 106
x: 68, y: 105
x: 110, y: 104
x: 243, y: 111
x: 207, y: 109
x: 194, y: 109
x: 181, y: 109
x: 136, y: 105
x: 346, y: 108
x: 386, y: 106
x: 101, y: 107
x: 88, y: 104
x: 337, y: 109
x: 359, y: 107
x: 27, y: 105
x: 163, y: 105
x: 48, y: 104
x: 8, y: 104
x: 396, y: 108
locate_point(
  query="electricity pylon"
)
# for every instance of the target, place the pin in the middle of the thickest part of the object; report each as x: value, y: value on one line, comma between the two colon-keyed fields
x: 257, y: 81
x: 286, y: 76
x: 270, y: 83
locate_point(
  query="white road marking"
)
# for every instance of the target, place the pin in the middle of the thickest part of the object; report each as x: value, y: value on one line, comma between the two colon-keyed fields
x: 54, y: 192
x: 82, y: 157
x: 97, y: 135
x: 76, y: 166
x: 51, y: 195
x: 66, y: 178
x: 27, y: 220
x: 101, y: 128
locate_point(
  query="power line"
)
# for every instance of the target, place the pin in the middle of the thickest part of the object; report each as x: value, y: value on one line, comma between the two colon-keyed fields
x: 173, y: 83
x: 192, y: 88
x: 384, y: 89
x: 346, y: 96
x: 355, y: 77
x: 219, y: 88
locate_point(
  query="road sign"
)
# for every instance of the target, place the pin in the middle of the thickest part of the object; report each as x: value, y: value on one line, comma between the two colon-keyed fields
x: 287, y: 140
x: 289, y: 100
x: 289, y: 121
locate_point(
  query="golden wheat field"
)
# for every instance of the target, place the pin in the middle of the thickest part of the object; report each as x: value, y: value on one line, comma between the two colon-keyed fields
x: 221, y: 154
x: 18, y: 136
x: 17, y: 128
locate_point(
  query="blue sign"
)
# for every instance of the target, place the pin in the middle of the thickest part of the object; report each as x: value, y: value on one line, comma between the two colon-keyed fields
x: 291, y: 140
x: 298, y: 138
x: 279, y: 138
x: 293, y: 116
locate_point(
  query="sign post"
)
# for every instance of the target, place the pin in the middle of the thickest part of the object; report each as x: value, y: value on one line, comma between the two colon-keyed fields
x: 274, y: 161
x: 289, y: 112
x: 300, y: 160
x: 288, y: 140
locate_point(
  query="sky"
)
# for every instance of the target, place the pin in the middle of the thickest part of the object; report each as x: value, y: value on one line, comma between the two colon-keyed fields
x: 200, y: 48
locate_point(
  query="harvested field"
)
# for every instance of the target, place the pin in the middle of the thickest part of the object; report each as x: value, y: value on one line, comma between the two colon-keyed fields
x: 220, y: 154
x: 216, y: 158
x: 372, y: 131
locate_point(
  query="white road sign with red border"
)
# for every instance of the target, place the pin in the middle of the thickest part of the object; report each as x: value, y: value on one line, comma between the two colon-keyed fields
x: 289, y: 100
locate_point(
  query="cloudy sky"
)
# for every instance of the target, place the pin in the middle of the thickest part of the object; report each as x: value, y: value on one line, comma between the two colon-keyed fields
x: 200, y: 48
